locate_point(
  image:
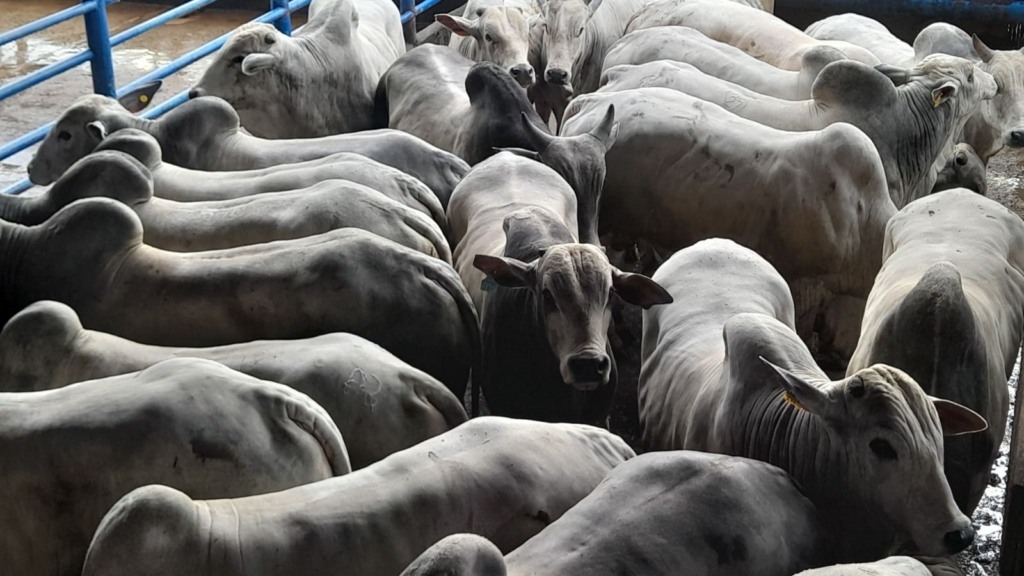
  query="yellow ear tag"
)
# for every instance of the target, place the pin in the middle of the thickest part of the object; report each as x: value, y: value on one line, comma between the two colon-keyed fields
x: 143, y: 98
x: 937, y: 100
x: 792, y: 401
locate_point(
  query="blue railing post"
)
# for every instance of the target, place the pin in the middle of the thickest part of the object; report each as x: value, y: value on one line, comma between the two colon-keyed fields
x: 284, y: 23
x: 97, y: 32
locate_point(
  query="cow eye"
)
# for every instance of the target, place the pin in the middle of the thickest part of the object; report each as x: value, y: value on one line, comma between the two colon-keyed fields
x: 882, y: 449
x: 970, y: 77
x: 64, y: 136
x: 488, y: 38
x: 237, y: 60
x: 580, y: 31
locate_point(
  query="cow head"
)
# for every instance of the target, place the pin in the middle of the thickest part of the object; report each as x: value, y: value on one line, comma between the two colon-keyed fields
x: 572, y: 286
x: 955, y: 82
x: 883, y: 444
x: 564, y: 23
x: 81, y: 128
x: 580, y: 161
x: 240, y: 69
x: 503, y: 36
x: 1004, y: 115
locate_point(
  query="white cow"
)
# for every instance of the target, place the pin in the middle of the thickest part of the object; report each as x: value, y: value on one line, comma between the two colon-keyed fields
x: 756, y: 32
x: 380, y: 404
x: 814, y: 204
x: 864, y: 32
x: 496, y: 31
x: 317, y: 83
x: 68, y: 455
x: 720, y: 60
x: 503, y: 479
x: 723, y: 371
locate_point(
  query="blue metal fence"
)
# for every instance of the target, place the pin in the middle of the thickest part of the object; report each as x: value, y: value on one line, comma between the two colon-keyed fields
x: 99, y: 55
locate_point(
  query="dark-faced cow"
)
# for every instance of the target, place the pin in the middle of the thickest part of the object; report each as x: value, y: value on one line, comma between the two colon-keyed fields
x: 544, y: 326
x: 814, y: 204
x: 913, y: 124
x: 864, y: 32
x: 316, y: 83
x: 199, y: 226
x: 965, y: 169
x: 682, y: 44
x: 444, y: 98
x: 204, y: 134
x: 947, y: 308
x: 756, y: 32
x: 659, y: 514
x: 68, y: 455
x: 723, y: 371
x: 380, y: 404
x: 187, y: 185
x: 346, y: 280
x: 503, y: 479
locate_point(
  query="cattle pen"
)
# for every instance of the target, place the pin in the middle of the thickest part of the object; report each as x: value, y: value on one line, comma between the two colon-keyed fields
x: 27, y: 64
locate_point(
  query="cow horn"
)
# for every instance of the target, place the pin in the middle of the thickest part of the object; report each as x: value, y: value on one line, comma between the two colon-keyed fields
x: 983, y: 51
x: 538, y: 138
x: 608, y: 129
x: 899, y: 76
x: 531, y: 154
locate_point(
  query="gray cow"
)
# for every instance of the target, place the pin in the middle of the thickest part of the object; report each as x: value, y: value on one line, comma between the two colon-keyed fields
x: 720, y: 60
x: 346, y: 280
x: 723, y: 371
x: 204, y: 134
x: 948, y: 309
x: 317, y: 83
x: 814, y: 204
x: 68, y: 455
x: 444, y: 98
x: 544, y: 326
x: 659, y: 514
x: 928, y: 107
x: 199, y: 226
x: 380, y: 404
x: 186, y: 185
x: 503, y: 479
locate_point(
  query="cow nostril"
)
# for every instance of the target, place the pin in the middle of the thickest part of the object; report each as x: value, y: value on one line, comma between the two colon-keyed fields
x: 1017, y: 138
x: 193, y: 93
x: 959, y: 540
x: 556, y: 76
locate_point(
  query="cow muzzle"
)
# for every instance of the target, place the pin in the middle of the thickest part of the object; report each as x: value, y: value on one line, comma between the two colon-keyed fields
x: 959, y: 540
x: 588, y: 371
x: 523, y: 74
x: 1016, y: 138
x: 556, y: 76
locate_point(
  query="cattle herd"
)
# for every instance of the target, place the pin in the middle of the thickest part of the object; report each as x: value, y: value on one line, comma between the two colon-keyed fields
x: 245, y: 339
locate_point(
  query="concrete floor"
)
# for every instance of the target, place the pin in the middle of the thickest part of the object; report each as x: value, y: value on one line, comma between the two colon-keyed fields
x: 133, y: 59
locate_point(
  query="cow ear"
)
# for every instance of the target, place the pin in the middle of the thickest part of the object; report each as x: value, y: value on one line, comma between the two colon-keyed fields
x: 607, y: 130
x: 957, y: 419
x: 521, y: 152
x: 97, y: 129
x: 139, y: 98
x: 458, y: 25
x: 943, y: 93
x: 257, y: 61
x: 983, y: 51
x: 505, y: 271
x: 899, y: 76
x: 800, y: 393
x: 639, y: 290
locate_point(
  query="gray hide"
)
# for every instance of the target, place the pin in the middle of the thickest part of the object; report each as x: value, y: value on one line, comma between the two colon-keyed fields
x: 682, y: 170
x: 186, y: 185
x: 911, y: 125
x: 199, y: 226
x: 758, y: 33
x: 546, y: 354
x: 444, y: 98
x: 963, y: 170
x: 68, y: 455
x: 203, y: 134
x: 723, y: 371
x: 1000, y: 121
x: 316, y: 83
x: 720, y: 60
x: 948, y: 309
x: 660, y: 514
x: 380, y: 404
x: 503, y: 479
x: 346, y: 280
x: 864, y: 32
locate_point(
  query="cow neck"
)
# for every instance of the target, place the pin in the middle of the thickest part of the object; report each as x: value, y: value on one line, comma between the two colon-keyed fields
x: 799, y: 443
x: 923, y: 130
